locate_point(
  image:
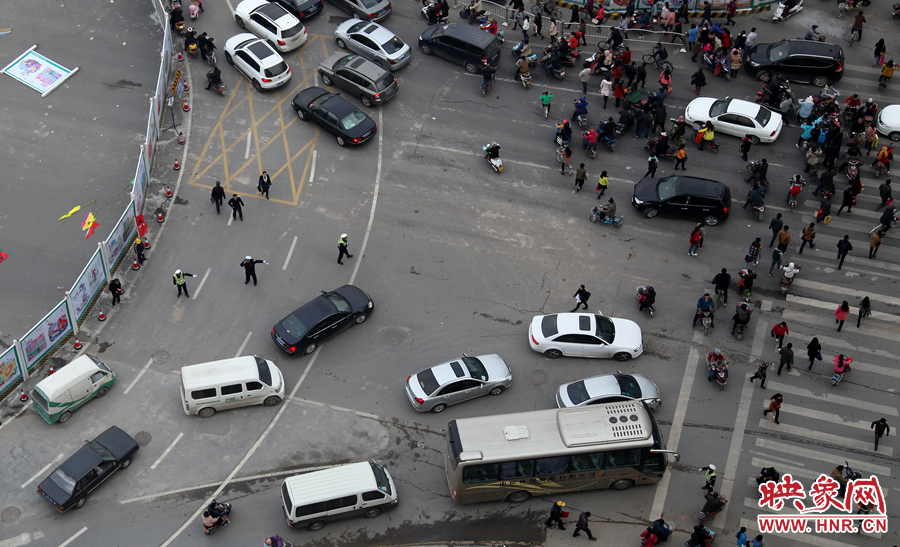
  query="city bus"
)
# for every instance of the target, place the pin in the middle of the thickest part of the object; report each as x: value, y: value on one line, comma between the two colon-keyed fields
x: 516, y: 456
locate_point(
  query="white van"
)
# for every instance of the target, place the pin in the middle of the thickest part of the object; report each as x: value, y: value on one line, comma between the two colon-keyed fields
x: 230, y: 383
x: 341, y: 492
x: 61, y: 393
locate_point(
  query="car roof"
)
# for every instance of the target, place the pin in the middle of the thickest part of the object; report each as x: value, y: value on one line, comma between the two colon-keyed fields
x: 113, y: 439
x: 68, y: 376
x: 467, y: 33
x: 444, y: 373
x: 568, y: 323
x: 740, y: 106
x: 377, y: 32
x: 818, y: 49
x: 315, y: 310
x: 696, y: 186
x: 366, y: 68
x: 266, y: 55
x: 602, y: 385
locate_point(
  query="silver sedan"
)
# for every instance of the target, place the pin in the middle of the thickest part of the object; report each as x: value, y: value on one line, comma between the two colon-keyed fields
x: 609, y: 388
x: 457, y: 381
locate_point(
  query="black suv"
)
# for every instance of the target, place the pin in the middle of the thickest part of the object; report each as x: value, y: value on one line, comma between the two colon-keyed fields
x: 802, y: 61
x: 463, y: 44
x: 689, y: 197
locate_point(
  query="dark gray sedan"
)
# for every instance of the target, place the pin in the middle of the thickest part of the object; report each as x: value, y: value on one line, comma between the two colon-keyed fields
x: 361, y: 77
x: 457, y: 381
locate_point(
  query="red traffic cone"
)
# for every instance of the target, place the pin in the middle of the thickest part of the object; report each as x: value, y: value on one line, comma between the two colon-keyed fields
x: 186, y: 108
x: 101, y: 317
x: 51, y: 371
x: 180, y: 138
x: 159, y: 217
x: 180, y: 57
x: 135, y: 266
x: 77, y: 343
x: 168, y: 191
x: 146, y: 241
x: 186, y: 88
x: 177, y: 165
x: 23, y: 396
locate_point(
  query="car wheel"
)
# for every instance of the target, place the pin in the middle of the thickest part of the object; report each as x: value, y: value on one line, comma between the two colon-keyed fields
x: 372, y: 513
x: 340, y: 140
x: 553, y: 353
x: 710, y: 220
x: 763, y: 75
x: 438, y: 408
x: 207, y: 412
x: 754, y: 139
x: 426, y: 49
x: 326, y: 79
x: 622, y: 356
x: 340, y: 43
x: 271, y: 400
x: 239, y: 21
x: 302, y: 115
x: 361, y: 318
x: 518, y: 496
x: 317, y: 525
x: 103, y: 391
x: 622, y: 484
x: 366, y: 101
x: 894, y: 136
x: 80, y: 503
x: 64, y: 417
x: 309, y: 349
x: 126, y: 463
x: 650, y: 213
x: 257, y: 86
x: 229, y: 60
x: 471, y: 68
x: 820, y: 81
x: 496, y: 391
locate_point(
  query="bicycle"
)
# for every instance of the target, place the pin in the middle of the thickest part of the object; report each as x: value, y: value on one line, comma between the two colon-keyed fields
x: 540, y: 8
x: 854, y: 37
x: 559, y: 158
x: 663, y: 65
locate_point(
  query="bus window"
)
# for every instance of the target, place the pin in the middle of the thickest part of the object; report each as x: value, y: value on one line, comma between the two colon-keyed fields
x: 654, y: 464
x: 586, y: 462
x: 552, y: 466
x: 517, y: 470
x: 481, y: 473
x: 623, y: 458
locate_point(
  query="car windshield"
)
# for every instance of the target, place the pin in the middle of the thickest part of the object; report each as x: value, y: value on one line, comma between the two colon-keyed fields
x: 393, y: 45
x: 476, y: 369
x: 777, y: 51
x: 357, y: 26
x: 666, y: 188
x: 606, y: 331
x: 339, y: 302
x: 265, y: 375
x: 320, y: 100
x: 381, y: 478
x: 629, y: 386
x: 492, y: 49
x: 276, y: 70
x: 294, y: 326
x: 385, y: 82
x: 427, y: 381
x: 101, y: 451
x: 352, y: 119
x: 62, y: 480
x: 548, y: 326
x: 718, y: 108
x: 341, y: 62
x: 763, y: 116
x: 293, y: 31
x: 577, y: 392
x: 370, y: 3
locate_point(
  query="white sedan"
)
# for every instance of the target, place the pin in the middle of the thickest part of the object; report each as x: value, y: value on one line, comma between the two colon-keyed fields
x: 585, y: 335
x: 888, y: 122
x: 735, y: 117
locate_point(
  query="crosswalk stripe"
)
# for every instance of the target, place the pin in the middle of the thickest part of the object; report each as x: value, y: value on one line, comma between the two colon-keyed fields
x: 826, y: 416
x: 809, y: 539
x: 814, y: 204
x: 817, y: 455
x: 838, y: 440
x: 830, y: 344
x: 820, y: 321
x: 854, y: 311
x: 832, y: 399
x: 831, y: 289
x: 852, y: 266
x: 783, y: 469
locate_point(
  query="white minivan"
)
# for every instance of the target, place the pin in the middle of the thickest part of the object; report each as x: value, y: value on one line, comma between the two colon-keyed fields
x: 230, y: 383
x: 57, y: 396
x: 354, y: 489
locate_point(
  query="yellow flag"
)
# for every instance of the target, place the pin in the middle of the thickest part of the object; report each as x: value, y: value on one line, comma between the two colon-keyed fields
x: 70, y: 213
x: 88, y: 221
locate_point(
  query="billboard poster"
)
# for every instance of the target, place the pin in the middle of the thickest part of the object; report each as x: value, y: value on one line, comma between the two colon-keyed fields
x: 139, y: 183
x: 121, y: 235
x: 37, y: 71
x: 9, y: 368
x: 89, y: 283
x: 152, y: 136
x: 46, y: 334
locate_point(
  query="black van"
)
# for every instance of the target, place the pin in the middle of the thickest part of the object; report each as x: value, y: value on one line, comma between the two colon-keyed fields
x: 463, y: 44
x: 803, y: 61
x: 681, y: 196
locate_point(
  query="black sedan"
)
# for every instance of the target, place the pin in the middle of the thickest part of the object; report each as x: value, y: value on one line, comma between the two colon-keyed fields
x: 335, y: 115
x: 68, y: 486
x: 321, y: 318
x: 302, y: 9
x: 682, y: 196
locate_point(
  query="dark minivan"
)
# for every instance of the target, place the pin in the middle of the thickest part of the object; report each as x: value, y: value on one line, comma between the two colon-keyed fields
x: 687, y: 197
x: 802, y: 61
x: 466, y: 45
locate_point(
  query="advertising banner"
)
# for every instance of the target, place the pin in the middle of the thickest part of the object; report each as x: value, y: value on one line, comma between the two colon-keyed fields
x: 120, y: 238
x: 38, y: 72
x: 46, y: 334
x: 88, y: 284
x: 9, y: 368
x: 139, y: 183
x: 152, y: 135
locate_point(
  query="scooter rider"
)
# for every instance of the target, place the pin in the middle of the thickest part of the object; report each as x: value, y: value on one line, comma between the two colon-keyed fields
x: 700, y: 537
x: 842, y: 363
x: 647, y: 299
x: 590, y: 140
x: 705, y: 304
x: 608, y: 210
x: 607, y: 128
x: 580, y: 107
x: 812, y: 33
x: 190, y: 37
x: 176, y: 16
x: 760, y: 171
x: 742, y: 314
x: 662, y: 145
x: 715, y: 358
x: 487, y: 76
x: 756, y: 197
x: 523, y: 68
x: 796, y: 184
x: 788, y: 6
x: 214, y: 78
x: 713, y: 503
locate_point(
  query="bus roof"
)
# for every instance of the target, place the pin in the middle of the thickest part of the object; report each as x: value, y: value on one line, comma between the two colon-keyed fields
x: 610, y: 426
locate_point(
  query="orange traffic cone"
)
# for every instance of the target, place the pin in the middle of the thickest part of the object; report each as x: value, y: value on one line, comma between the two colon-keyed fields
x: 186, y: 108
x: 135, y: 266
x: 168, y: 192
x: 159, y: 217
x: 51, y: 371
x: 77, y: 343
x: 177, y: 165
x: 23, y: 396
x: 101, y: 317
x: 180, y: 57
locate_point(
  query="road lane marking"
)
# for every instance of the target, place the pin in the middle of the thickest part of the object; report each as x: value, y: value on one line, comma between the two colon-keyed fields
x: 817, y: 455
x: 74, y: 537
x: 369, y: 415
x: 886, y: 332
x: 362, y: 248
x: 828, y: 287
x: 290, y: 253
x: 837, y: 440
x: 166, y: 453
x: 830, y: 399
x: 241, y: 349
x: 18, y: 541
x: 202, y: 281
x: 247, y: 150
x: 825, y: 416
x: 138, y: 377
x: 814, y: 303
x: 41, y: 472
x: 312, y: 169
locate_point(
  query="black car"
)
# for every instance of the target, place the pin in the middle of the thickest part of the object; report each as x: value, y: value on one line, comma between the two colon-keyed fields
x: 802, y: 61
x: 302, y: 9
x: 321, y: 318
x: 335, y: 115
x: 689, y: 197
x: 460, y: 43
x: 68, y: 486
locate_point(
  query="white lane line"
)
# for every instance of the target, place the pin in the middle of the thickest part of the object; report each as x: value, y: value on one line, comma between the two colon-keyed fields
x: 202, y: 282
x: 831, y: 289
x: 138, y: 377
x: 362, y: 248
x: 684, y: 396
x: 825, y: 416
x: 831, y: 399
x: 369, y: 415
x: 41, y: 472
x: 854, y: 311
x: 231, y: 219
x: 74, y: 537
x: 247, y: 151
x: 817, y: 455
x: 18, y: 541
x: 287, y: 259
x: 839, y: 440
x: 312, y: 169
x: 241, y: 349
x: 822, y: 321
x: 782, y: 468
x: 828, y: 342
x: 166, y: 453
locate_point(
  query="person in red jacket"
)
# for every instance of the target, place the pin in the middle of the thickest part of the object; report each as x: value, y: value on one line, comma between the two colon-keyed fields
x: 779, y: 331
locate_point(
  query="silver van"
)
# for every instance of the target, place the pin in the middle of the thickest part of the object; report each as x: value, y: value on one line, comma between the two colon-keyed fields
x: 230, y: 383
x: 355, y: 489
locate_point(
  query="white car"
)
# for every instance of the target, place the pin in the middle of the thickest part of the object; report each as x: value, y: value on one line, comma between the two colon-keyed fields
x: 888, y: 122
x: 609, y: 388
x: 373, y: 42
x: 271, y: 22
x: 585, y: 335
x: 437, y: 387
x: 257, y: 61
x: 735, y: 117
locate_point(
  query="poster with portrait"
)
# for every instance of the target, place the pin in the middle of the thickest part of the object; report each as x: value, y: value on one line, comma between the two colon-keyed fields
x: 88, y: 284
x: 9, y: 368
x: 120, y: 238
x: 46, y: 334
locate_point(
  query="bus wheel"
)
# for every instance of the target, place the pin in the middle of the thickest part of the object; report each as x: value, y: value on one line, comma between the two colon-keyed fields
x: 622, y: 484
x: 518, y: 497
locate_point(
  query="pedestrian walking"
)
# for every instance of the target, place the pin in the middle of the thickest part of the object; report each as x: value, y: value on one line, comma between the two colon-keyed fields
x: 710, y: 477
x: 761, y: 374
x: 776, y: 224
x: 217, y: 196
x: 694, y: 241
x: 741, y: 537
x: 758, y: 540
x: 752, y: 258
x: 602, y: 184
x: 538, y: 26
x: 236, y: 203
x: 865, y: 310
x: 680, y: 158
x: 580, y: 175
x: 884, y: 191
x: 809, y: 235
x: 746, y: 143
x: 824, y: 211
x: 777, y: 255
x: 618, y: 92
x: 342, y: 249
x: 553, y: 31
x: 643, y: 123
x: 813, y: 351
x: 546, y: 97
x: 840, y: 314
x: 844, y: 246
x: 730, y: 10
x: 179, y: 281
x: 115, y: 287
x: 630, y: 72
x: 774, y: 407
x: 555, y: 513
x: 585, y: 76
x: 784, y: 239
x: 879, y: 52
x: 605, y: 90
x: 264, y: 183
x: 583, y: 525
x: 581, y: 297
x: 787, y: 358
x: 652, y: 164
x: 139, y: 251
x: 847, y: 200
x: 779, y: 331
x: 698, y: 80
x: 875, y: 243
x: 706, y: 17
x: 642, y: 75
x: 249, y: 265
x: 566, y: 160
x: 882, y: 429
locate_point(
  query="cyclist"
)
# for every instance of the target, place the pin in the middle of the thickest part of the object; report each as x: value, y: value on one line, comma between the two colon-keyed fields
x: 659, y: 54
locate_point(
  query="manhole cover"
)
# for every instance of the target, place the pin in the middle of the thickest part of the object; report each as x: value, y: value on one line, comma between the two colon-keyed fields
x: 538, y: 377
x: 395, y: 338
x: 143, y: 438
x: 10, y: 514
x: 161, y: 357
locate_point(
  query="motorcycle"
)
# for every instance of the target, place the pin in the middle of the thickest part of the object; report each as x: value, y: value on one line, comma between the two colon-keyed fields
x: 549, y: 52
x: 428, y: 6
x: 852, y: 167
x: 582, y: 120
x: 609, y: 141
x: 780, y: 14
x: 743, y: 289
x: 517, y: 53
x: 595, y: 217
x: 794, y: 192
x: 895, y: 12
x: 788, y: 277
x: 706, y: 319
x: 759, y: 209
x: 847, y: 5
x: 224, y: 508
x: 643, y: 294
x: 651, y: 147
x: 849, y: 473
x: 744, y: 312
x: 662, y: 529
x: 706, y: 516
x: 179, y: 27
x: 559, y: 73
x: 720, y: 65
x: 193, y: 49
x: 709, y: 534
x: 720, y: 371
x: 526, y: 80
x: 772, y: 100
x: 590, y: 147
x: 879, y: 168
x: 492, y: 156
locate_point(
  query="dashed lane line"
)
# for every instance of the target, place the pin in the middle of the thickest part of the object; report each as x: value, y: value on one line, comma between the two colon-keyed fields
x: 41, y: 472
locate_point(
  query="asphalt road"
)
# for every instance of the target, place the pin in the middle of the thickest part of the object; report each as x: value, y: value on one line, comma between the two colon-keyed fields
x: 457, y: 259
